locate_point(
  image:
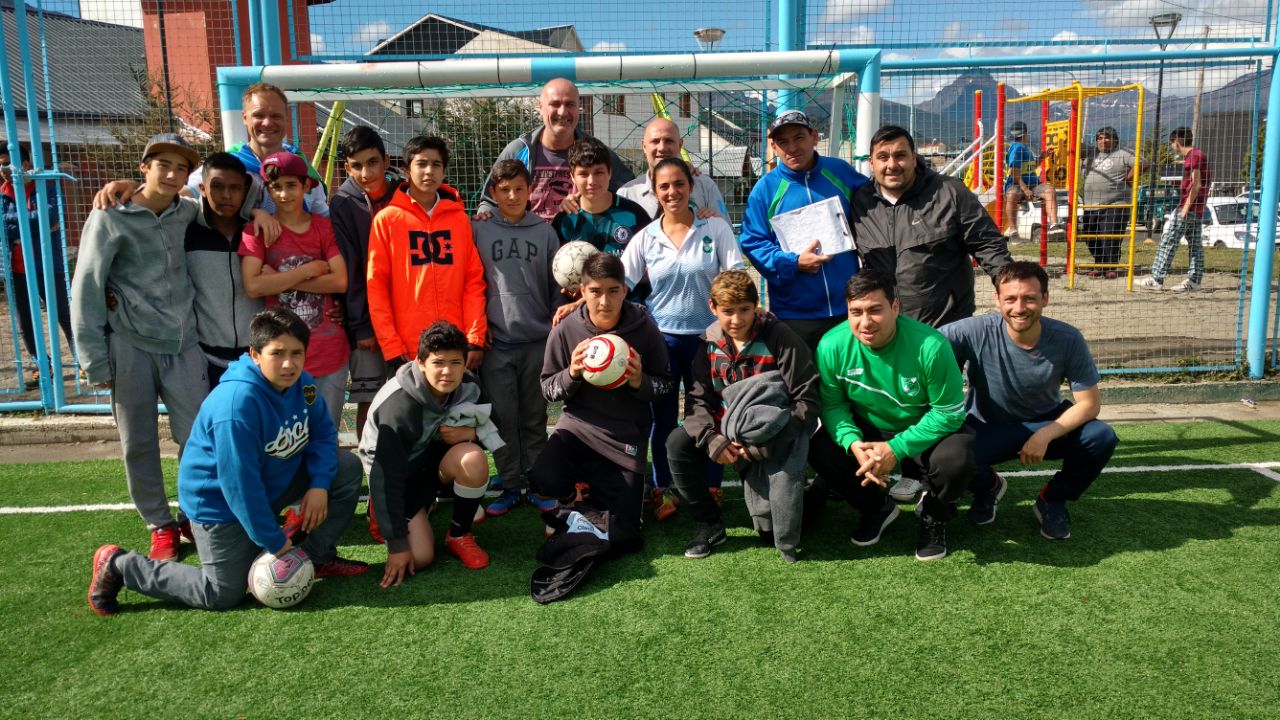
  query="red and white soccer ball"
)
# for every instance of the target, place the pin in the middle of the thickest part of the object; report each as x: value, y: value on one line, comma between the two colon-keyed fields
x: 566, y: 264
x: 284, y: 581
x: 605, y: 362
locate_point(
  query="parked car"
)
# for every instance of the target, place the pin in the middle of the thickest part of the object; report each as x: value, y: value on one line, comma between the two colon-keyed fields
x: 1225, y: 223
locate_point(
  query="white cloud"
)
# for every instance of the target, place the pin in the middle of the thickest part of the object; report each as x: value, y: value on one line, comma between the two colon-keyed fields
x: 952, y: 32
x: 605, y: 46
x: 842, y: 11
x: 859, y: 35
x: 317, y: 43
x: 371, y: 33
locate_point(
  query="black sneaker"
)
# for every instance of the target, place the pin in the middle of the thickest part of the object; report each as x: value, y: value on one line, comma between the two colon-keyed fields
x: 766, y: 537
x: 106, y: 582
x: 932, y: 544
x: 983, y: 509
x: 1055, y: 521
x: 872, y: 524
x: 705, y: 537
x: 788, y: 556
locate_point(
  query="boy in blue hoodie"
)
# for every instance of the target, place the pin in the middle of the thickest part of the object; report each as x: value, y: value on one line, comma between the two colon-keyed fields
x: 262, y: 440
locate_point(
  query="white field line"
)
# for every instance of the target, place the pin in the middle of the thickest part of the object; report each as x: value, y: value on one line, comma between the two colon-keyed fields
x: 1262, y: 468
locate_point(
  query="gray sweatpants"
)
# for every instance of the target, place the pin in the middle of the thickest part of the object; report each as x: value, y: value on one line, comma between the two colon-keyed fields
x: 226, y: 552
x: 333, y: 388
x: 138, y: 378
x: 511, y: 378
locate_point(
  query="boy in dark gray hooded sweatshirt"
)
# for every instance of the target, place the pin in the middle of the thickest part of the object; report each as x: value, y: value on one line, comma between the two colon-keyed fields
x: 516, y: 247
x: 602, y: 436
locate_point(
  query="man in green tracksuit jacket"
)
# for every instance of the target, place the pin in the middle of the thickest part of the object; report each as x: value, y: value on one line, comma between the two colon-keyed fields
x: 891, y: 389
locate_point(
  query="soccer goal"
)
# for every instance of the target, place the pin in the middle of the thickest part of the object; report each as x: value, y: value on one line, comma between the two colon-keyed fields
x: 720, y: 102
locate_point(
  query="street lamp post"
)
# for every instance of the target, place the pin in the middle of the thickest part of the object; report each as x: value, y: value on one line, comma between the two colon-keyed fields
x: 1164, y: 24
x: 708, y: 38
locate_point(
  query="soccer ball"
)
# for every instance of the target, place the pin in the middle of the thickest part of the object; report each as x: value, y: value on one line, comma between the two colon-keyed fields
x: 566, y: 266
x: 284, y: 581
x: 605, y: 362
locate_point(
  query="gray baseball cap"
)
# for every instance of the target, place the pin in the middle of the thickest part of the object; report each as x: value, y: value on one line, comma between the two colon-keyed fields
x: 791, y: 117
x: 174, y: 143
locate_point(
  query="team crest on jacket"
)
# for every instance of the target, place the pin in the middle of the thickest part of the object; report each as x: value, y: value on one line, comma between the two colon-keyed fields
x: 621, y: 234
x: 309, y: 394
x: 911, y: 386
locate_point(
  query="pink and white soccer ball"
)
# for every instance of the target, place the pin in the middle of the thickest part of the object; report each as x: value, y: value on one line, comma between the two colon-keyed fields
x: 566, y: 264
x: 605, y: 362
x: 284, y: 581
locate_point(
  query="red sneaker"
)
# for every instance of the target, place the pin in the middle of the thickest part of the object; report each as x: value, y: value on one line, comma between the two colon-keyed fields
x: 341, y: 567
x: 373, y: 526
x: 106, y: 582
x: 164, y: 543
x: 666, y: 506
x: 292, y: 522
x: 466, y: 550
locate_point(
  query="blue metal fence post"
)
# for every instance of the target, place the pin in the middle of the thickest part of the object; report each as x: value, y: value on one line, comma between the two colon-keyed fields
x: 1263, y: 260
x: 790, y: 37
x: 20, y: 194
x: 255, y: 31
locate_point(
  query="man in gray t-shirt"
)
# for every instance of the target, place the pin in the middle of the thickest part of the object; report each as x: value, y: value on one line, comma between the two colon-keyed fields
x: 1108, y: 180
x: 1017, y: 363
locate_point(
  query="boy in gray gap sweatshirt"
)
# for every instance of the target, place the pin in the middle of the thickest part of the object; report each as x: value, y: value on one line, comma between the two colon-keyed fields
x: 144, y: 347
x: 516, y: 247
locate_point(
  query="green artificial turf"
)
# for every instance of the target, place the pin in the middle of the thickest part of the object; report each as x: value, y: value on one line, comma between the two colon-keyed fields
x: 1164, y: 604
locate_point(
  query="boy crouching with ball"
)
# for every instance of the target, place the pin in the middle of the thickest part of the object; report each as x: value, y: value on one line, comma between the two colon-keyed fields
x: 262, y: 440
x: 425, y: 429
x: 602, y: 436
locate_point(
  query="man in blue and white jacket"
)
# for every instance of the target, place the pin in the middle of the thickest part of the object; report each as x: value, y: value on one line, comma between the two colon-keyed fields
x: 806, y: 290
x: 263, y: 440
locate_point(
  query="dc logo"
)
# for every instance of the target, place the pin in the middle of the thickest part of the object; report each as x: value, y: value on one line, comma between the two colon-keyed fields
x: 430, y: 248
x: 621, y: 234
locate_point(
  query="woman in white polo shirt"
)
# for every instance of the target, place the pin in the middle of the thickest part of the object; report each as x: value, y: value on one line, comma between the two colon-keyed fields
x: 680, y: 254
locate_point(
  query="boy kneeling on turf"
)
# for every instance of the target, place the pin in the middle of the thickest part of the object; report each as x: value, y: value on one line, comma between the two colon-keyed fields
x: 422, y: 431
x: 602, y: 436
x: 743, y: 346
x: 262, y: 440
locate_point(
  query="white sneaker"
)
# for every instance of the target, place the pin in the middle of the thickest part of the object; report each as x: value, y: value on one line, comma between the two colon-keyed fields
x: 1186, y: 286
x: 906, y: 489
x: 1149, y: 283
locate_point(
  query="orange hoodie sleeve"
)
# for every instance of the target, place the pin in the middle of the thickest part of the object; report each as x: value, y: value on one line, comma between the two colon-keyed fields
x: 378, y: 287
x: 475, y: 323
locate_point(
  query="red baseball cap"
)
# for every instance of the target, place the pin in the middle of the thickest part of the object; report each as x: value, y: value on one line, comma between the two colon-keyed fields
x: 286, y: 163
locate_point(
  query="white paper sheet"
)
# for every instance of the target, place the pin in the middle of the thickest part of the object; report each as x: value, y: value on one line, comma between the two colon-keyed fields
x: 823, y: 221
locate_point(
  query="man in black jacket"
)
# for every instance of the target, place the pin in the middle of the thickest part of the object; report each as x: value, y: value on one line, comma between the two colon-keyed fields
x: 921, y: 228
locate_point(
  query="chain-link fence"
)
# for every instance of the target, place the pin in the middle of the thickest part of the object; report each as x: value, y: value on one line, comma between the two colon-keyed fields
x: 107, y: 74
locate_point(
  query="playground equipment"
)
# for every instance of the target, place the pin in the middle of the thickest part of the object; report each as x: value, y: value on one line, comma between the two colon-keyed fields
x: 1060, y: 153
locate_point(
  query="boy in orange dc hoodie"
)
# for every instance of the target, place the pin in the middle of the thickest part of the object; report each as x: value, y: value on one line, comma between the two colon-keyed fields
x: 423, y: 264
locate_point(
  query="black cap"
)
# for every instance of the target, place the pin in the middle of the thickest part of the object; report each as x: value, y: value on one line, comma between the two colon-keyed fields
x: 1018, y: 129
x: 791, y: 117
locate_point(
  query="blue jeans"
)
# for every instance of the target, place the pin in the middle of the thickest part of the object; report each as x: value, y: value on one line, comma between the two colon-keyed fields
x: 1083, y: 452
x: 681, y: 350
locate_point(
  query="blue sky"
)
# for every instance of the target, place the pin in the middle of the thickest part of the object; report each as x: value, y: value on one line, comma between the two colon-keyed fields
x: 348, y: 28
